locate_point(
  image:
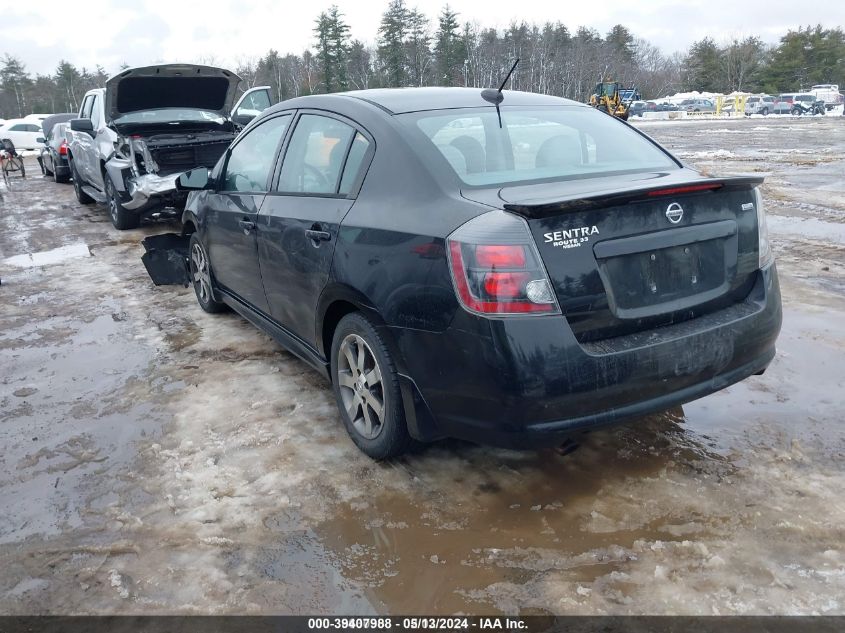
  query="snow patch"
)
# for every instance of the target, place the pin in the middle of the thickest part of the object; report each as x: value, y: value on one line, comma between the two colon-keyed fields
x: 46, y: 258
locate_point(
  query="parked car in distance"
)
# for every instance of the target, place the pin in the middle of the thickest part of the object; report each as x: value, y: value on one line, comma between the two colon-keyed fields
x: 759, y: 104
x: 667, y: 107
x: 638, y: 108
x: 467, y: 263
x: 134, y: 137
x: 698, y: 105
x: 36, y: 117
x: 783, y: 103
x: 24, y: 134
x: 53, y: 155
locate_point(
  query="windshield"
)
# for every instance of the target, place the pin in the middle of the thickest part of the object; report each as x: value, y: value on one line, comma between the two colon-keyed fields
x: 534, y: 144
x: 170, y: 115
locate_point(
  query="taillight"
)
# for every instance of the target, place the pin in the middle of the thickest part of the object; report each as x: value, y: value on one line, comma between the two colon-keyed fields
x: 764, y: 246
x: 63, y: 148
x: 496, y: 268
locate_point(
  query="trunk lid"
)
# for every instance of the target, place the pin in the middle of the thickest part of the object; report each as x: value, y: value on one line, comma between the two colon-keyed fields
x: 171, y: 86
x: 630, y: 252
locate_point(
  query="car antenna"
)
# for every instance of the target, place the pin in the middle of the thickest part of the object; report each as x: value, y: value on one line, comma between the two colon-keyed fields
x: 495, y: 96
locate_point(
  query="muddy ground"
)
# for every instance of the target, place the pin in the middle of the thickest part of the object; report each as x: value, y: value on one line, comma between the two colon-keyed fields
x: 157, y: 459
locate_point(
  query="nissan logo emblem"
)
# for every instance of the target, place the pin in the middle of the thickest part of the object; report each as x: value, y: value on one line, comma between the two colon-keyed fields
x: 674, y: 213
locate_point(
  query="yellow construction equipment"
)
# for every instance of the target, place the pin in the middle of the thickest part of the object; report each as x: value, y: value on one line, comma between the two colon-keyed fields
x: 611, y: 97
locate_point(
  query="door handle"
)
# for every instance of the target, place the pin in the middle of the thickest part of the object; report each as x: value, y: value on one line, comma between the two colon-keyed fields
x: 246, y: 225
x: 318, y: 236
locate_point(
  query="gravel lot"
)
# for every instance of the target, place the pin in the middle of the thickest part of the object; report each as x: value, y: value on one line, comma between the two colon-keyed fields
x: 156, y: 459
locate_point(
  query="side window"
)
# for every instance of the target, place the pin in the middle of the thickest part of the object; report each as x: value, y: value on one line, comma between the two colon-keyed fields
x: 85, y: 113
x: 251, y: 160
x: 20, y: 127
x: 33, y: 128
x: 96, y: 119
x: 353, y: 163
x: 315, y: 155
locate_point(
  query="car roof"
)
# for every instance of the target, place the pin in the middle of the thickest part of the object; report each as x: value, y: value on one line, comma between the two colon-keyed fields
x: 402, y: 100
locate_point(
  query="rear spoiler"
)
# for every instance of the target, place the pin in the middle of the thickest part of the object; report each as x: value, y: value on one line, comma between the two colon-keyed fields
x: 624, y: 195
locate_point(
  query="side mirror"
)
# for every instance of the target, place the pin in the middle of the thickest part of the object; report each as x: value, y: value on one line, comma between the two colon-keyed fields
x: 193, y: 180
x: 40, y: 139
x: 82, y: 125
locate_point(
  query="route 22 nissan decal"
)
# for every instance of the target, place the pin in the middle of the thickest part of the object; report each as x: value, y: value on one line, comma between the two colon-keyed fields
x: 571, y: 238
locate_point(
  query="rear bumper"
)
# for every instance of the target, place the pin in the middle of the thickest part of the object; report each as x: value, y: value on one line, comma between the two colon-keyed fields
x: 527, y: 382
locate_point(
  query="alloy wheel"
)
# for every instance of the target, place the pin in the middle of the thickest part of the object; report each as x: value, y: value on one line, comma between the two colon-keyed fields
x: 361, y: 389
x: 112, y: 200
x: 200, y: 273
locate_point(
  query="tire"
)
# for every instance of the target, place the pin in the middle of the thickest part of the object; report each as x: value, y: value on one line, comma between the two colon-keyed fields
x: 121, y: 218
x: 365, y: 382
x: 81, y: 196
x: 59, y: 179
x: 765, y: 112
x: 201, y: 277
x: 796, y: 111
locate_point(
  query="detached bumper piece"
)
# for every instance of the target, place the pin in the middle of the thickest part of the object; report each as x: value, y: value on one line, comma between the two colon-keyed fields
x: 143, y: 188
x: 166, y: 259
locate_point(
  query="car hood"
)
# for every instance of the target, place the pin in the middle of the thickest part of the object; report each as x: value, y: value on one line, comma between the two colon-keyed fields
x: 171, y: 86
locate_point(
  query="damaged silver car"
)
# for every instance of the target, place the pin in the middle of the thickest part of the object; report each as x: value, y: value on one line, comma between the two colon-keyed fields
x: 148, y: 125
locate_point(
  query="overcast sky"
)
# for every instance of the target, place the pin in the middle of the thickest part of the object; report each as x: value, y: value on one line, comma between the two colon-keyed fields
x: 140, y: 32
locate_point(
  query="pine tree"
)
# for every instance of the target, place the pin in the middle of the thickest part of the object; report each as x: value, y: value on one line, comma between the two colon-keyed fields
x: 332, y: 49
x: 391, y: 48
x: 702, y: 66
x: 622, y: 43
x: 417, y: 47
x: 449, y: 49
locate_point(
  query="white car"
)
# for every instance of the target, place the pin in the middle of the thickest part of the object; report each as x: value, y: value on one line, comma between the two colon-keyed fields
x: 24, y: 134
x: 760, y: 104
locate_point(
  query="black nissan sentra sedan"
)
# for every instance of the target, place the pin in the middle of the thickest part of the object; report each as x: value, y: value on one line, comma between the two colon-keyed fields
x: 509, y: 275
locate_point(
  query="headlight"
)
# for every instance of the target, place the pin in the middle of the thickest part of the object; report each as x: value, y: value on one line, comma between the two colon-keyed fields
x: 764, y: 246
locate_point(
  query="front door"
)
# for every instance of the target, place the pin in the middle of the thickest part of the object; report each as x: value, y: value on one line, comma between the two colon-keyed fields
x: 299, y: 221
x: 232, y: 212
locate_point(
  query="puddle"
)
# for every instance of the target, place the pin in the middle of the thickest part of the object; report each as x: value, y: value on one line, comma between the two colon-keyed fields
x: 807, y: 228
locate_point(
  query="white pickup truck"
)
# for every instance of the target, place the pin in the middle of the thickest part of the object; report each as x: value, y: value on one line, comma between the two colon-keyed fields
x: 148, y: 125
x: 829, y: 93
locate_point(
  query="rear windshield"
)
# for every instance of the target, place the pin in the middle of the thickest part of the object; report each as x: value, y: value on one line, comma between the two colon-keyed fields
x: 534, y: 144
x: 170, y: 115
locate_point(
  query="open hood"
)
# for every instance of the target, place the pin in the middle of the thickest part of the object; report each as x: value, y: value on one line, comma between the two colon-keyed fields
x: 48, y: 123
x: 171, y: 86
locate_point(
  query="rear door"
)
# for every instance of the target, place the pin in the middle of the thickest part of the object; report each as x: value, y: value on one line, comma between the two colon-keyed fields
x: 320, y: 175
x: 232, y: 211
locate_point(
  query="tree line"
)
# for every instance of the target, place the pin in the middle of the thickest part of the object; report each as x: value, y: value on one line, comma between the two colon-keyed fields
x: 413, y: 50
